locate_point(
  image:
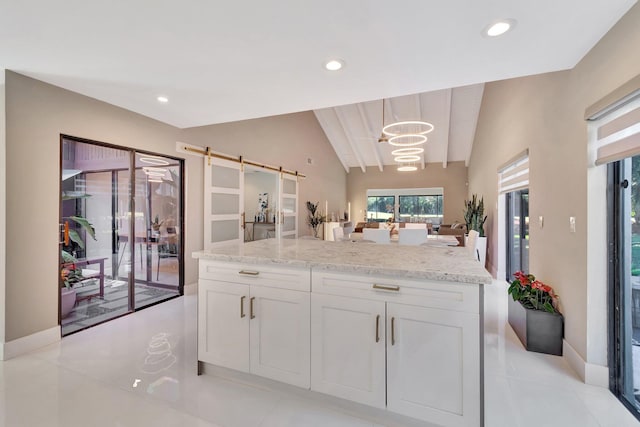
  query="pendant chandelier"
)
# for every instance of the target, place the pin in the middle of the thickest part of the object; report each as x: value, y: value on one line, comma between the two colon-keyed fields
x: 407, y: 135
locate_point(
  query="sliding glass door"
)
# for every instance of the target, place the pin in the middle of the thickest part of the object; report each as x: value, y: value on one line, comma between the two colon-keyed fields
x: 624, y: 280
x: 121, y: 222
x: 517, y: 203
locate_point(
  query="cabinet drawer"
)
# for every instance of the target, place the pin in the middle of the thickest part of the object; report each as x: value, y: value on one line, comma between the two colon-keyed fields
x: 296, y: 279
x: 425, y: 293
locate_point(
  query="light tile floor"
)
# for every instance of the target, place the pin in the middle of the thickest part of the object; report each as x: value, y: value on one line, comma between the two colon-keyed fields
x: 139, y: 370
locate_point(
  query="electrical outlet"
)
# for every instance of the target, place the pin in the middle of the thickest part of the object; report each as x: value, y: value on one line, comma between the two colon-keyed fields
x: 572, y: 224
x: 541, y: 221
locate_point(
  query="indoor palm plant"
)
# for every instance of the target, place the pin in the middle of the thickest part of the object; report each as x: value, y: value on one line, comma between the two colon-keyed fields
x: 534, y: 315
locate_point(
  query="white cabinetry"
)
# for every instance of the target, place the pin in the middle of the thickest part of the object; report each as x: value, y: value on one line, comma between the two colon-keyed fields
x: 250, y: 320
x: 348, y: 348
x: 223, y: 326
x: 433, y: 367
x: 427, y: 358
x: 411, y: 347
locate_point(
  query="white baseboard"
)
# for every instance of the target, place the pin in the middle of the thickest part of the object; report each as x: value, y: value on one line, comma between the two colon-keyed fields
x: 11, y: 349
x: 590, y: 373
x: 191, y: 289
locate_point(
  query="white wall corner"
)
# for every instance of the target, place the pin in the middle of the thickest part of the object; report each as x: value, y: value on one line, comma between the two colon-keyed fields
x: 589, y: 373
x: 29, y: 343
x: 191, y: 289
x: 3, y: 207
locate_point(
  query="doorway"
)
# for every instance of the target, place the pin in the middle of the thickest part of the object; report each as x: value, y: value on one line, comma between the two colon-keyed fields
x: 121, y: 216
x: 624, y: 280
x: 517, y: 232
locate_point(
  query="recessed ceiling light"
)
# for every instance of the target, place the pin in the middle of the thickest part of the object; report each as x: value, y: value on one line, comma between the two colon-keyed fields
x: 163, y: 99
x: 499, y: 27
x: 334, y: 64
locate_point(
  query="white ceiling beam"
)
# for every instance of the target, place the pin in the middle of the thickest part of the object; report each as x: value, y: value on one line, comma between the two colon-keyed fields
x: 321, y: 116
x: 418, y: 105
x: 374, y: 139
x: 446, y: 126
x: 475, y: 125
x: 345, y: 128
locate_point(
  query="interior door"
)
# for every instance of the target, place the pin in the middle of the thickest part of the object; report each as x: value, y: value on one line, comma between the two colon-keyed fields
x: 287, y: 226
x: 223, y: 202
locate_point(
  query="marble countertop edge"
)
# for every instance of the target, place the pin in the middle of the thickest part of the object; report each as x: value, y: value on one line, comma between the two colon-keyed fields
x: 292, y: 254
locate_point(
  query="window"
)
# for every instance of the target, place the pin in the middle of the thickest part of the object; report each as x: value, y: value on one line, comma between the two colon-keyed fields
x: 421, y: 208
x: 380, y: 208
x: 406, y: 205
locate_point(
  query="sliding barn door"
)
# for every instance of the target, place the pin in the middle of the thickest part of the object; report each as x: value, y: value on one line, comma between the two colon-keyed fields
x: 223, y: 202
x: 287, y: 227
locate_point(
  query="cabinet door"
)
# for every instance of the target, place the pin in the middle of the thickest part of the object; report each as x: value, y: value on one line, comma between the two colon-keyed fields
x: 223, y: 324
x: 280, y: 334
x: 433, y: 364
x: 347, y: 344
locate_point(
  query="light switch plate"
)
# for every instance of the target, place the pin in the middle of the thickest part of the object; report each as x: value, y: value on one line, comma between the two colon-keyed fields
x: 572, y: 224
x: 541, y: 221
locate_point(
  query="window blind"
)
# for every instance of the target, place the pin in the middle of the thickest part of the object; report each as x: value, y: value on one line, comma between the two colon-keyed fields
x: 616, y: 135
x: 514, y: 175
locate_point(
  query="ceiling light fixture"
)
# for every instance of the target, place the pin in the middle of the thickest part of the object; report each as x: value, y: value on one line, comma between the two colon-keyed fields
x: 407, y: 151
x: 383, y: 138
x: 163, y: 99
x: 500, y: 27
x: 153, y: 161
x: 334, y: 64
x: 406, y: 159
x: 407, y: 168
x: 407, y: 140
x: 410, y: 127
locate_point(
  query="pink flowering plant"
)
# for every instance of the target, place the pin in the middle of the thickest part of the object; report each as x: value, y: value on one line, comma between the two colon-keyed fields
x: 532, y: 293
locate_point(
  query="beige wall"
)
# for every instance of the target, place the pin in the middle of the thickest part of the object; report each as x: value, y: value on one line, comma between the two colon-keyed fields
x: 545, y: 113
x: 453, y: 179
x: 37, y: 113
x: 3, y: 207
x: 287, y: 140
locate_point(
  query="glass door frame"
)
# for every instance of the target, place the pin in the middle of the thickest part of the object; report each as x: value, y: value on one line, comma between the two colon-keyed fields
x: 509, y: 230
x: 619, y: 283
x: 131, y: 280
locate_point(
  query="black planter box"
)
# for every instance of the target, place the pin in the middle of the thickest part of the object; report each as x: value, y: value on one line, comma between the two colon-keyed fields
x: 538, y: 330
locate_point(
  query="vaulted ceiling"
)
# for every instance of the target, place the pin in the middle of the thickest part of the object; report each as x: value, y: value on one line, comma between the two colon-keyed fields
x: 354, y: 129
x: 219, y: 61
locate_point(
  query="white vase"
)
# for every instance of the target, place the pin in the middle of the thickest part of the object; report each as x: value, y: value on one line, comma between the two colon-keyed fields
x: 481, y: 248
x: 67, y: 301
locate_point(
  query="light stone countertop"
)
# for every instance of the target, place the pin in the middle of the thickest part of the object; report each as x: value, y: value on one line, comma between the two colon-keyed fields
x: 452, y: 264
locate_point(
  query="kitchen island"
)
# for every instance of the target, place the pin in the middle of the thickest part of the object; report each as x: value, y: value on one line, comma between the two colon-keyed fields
x: 398, y: 328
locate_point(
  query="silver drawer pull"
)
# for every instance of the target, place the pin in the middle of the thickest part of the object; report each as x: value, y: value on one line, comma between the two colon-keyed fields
x: 249, y: 272
x: 387, y: 287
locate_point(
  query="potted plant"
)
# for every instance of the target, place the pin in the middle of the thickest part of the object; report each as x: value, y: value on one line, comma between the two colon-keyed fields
x: 534, y: 315
x: 70, y: 274
x: 474, y: 219
x: 314, y: 219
